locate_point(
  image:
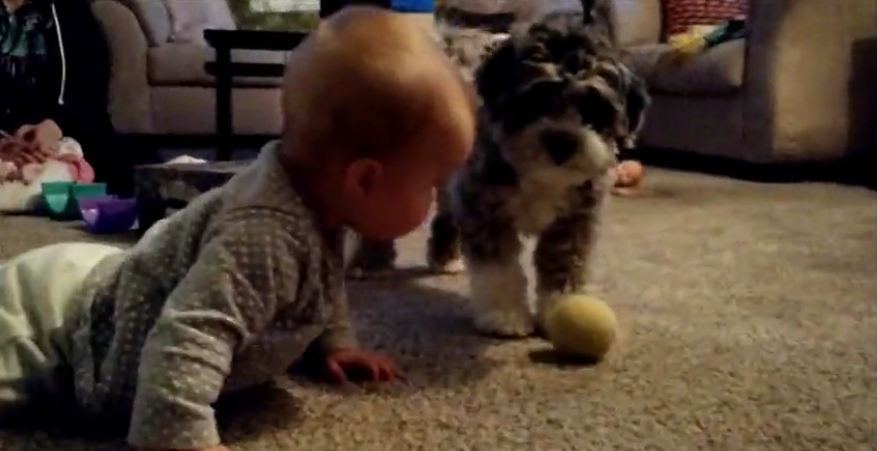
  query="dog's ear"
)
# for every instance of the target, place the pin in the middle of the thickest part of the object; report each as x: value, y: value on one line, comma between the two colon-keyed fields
x: 636, y: 102
x: 496, y: 76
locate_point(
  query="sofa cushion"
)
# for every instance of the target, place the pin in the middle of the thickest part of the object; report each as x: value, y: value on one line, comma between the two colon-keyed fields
x: 715, y: 71
x: 182, y: 64
x: 644, y: 59
x: 638, y: 22
x: 189, y: 18
x: 153, y: 18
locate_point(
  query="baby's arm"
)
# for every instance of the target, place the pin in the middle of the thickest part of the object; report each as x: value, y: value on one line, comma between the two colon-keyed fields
x: 342, y: 358
x: 339, y: 333
x: 246, y: 271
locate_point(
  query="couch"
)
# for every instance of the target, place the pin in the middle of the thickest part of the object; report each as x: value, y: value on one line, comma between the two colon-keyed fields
x: 159, y: 86
x: 800, y: 88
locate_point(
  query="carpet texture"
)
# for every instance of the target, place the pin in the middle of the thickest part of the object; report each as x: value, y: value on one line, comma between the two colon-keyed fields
x: 748, y: 320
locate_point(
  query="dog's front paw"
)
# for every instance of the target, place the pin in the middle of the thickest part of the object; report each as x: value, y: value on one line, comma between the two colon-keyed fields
x: 358, y: 273
x: 499, y: 296
x: 506, y: 324
x: 372, y: 260
x: 452, y: 266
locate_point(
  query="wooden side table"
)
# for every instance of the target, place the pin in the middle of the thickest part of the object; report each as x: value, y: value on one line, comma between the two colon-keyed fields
x: 163, y: 186
x: 223, y: 41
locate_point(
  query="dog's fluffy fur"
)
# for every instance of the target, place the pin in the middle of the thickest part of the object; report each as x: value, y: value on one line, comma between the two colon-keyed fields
x: 556, y: 106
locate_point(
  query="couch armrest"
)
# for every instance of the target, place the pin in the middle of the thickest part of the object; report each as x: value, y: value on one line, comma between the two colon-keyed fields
x: 800, y: 81
x: 129, y: 87
x: 637, y: 22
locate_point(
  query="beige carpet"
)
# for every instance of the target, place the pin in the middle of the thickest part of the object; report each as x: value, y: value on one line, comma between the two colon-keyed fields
x: 749, y: 318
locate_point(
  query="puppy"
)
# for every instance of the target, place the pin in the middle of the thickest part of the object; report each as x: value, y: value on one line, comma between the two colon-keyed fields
x: 557, y: 105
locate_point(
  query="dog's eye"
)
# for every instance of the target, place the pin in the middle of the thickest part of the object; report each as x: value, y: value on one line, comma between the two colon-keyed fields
x: 538, y: 100
x: 541, y: 97
x: 531, y: 71
x: 597, y: 109
x: 577, y: 62
x: 538, y: 54
x: 610, y: 74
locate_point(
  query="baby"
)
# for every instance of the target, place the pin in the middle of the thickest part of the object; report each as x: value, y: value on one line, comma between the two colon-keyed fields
x: 233, y: 289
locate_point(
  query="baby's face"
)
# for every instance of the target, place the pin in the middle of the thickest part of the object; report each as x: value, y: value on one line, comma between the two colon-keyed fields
x: 400, y: 198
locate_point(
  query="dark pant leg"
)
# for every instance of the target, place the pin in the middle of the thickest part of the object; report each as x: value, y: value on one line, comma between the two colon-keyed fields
x: 329, y: 7
x: 114, y: 157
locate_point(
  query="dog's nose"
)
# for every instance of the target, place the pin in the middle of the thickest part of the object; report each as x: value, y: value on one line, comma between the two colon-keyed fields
x: 560, y: 145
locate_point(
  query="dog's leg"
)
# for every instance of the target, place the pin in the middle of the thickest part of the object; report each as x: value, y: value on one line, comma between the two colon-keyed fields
x: 444, y: 255
x: 564, y: 250
x: 373, y: 259
x: 497, y: 281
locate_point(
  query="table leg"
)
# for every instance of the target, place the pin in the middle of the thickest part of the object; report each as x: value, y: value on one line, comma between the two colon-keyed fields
x: 223, y: 104
x: 151, y: 208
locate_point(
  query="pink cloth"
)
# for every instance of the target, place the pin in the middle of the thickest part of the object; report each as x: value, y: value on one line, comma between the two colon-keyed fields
x: 80, y: 170
x: 69, y: 153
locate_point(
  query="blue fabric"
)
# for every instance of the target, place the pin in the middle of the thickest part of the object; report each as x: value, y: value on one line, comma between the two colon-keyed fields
x: 729, y: 31
x: 27, y: 76
x: 22, y: 33
x: 413, y: 6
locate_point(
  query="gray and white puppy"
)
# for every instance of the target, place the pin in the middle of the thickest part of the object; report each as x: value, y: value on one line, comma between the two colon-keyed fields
x: 557, y: 104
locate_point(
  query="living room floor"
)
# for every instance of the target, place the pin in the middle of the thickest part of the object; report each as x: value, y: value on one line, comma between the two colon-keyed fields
x: 748, y: 320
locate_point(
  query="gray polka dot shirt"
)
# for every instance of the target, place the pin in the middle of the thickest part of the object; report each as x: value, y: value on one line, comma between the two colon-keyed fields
x: 227, y: 295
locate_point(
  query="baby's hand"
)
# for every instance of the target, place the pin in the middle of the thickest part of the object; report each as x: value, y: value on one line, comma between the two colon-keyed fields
x: 345, y: 364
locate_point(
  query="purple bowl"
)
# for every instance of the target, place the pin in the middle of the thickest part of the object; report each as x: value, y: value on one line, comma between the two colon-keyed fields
x: 108, y: 214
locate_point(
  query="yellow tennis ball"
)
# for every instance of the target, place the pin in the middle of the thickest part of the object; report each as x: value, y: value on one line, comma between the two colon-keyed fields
x: 581, y: 325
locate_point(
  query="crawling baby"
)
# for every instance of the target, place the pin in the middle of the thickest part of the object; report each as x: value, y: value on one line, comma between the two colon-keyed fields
x: 238, y: 285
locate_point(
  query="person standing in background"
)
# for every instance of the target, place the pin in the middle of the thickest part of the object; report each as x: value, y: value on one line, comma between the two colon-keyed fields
x: 54, y: 82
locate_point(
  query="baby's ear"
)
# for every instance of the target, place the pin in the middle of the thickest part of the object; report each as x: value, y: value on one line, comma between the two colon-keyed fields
x: 362, y: 176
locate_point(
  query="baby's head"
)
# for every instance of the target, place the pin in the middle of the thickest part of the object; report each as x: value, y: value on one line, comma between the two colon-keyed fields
x: 375, y: 117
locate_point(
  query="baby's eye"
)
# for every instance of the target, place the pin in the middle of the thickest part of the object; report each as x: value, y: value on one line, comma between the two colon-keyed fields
x: 541, y: 97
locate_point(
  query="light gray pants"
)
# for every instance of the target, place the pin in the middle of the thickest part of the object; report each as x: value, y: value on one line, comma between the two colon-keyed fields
x: 36, y: 316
